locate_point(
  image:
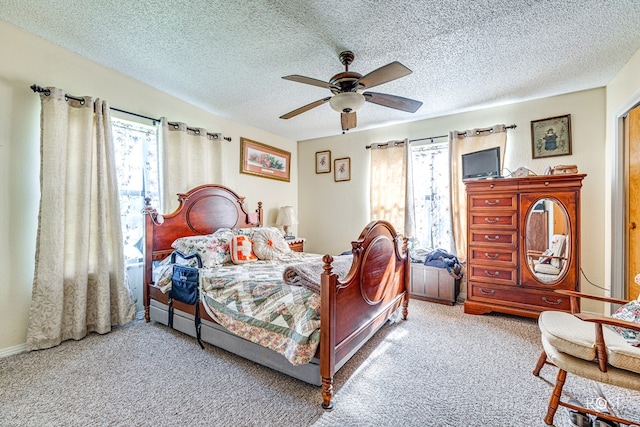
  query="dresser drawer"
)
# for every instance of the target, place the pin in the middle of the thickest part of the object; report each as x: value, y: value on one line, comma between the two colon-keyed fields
x: 528, y: 298
x: 492, y: 274
x: 493, y: 219
x: 490, y: 185
x: 492, y: 201
x: 497, y: 238
x: 492, y: 256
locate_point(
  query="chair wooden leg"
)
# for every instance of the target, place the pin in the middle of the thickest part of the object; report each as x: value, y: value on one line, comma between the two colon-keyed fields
x: 554, y: 400
x: 541, y: 361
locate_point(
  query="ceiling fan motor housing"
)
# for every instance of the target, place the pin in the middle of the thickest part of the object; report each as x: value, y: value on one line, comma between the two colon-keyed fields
x: 345, y: 82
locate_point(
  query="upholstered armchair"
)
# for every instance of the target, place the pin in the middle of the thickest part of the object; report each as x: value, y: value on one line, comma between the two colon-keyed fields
x: 548, y: 265
x: 584, y: 345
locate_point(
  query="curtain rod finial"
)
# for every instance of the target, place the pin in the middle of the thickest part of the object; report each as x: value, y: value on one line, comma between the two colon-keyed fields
x: 34, y: 87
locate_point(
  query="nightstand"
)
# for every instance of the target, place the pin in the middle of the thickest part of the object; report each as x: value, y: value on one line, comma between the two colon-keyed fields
x: 297, y: 244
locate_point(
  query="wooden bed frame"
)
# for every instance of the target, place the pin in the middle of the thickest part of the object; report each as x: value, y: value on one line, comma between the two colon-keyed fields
x: 351, y: 310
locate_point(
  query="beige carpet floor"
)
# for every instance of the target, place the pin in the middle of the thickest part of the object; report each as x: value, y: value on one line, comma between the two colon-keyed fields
x: 439, y: 368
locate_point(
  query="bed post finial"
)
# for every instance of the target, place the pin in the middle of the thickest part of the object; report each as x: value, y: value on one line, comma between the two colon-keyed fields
x: 327, y: 259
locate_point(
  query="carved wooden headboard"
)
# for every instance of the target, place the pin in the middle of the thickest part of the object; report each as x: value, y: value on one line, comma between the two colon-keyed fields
x: 201, y: 210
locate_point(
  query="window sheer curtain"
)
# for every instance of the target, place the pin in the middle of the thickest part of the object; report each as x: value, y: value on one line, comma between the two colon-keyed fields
x: 432, y: 192
x: 461, y: 143
x: 79, y: 281
x: 391, y: 192
x: 188, y: 157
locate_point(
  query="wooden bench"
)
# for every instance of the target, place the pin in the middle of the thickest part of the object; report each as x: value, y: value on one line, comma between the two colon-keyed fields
x: 433, y: 284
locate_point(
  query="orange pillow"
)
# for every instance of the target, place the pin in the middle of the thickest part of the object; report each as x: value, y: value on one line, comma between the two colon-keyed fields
x: 242, y: 250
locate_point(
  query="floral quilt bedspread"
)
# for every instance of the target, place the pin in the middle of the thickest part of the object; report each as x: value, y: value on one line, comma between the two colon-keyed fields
x: 252, y: 301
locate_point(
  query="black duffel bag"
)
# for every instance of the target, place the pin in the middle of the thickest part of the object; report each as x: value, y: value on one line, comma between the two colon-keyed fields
x: 185, y: 288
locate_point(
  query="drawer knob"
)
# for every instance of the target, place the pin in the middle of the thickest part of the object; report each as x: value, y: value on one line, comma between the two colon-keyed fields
x: 546, y: 183
x: 494, y: 274
x: 558, y: 301
x: 493, y: 239
x: 490, y: 292
x: 490, y: 220
x: 494, y: 256
x: 489, y: 202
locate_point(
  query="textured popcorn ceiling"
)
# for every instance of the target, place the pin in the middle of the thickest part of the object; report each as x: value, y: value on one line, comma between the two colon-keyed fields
x: 228, y: 57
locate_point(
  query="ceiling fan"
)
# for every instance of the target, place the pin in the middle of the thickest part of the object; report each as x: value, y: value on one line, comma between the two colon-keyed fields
x: 347, y: 89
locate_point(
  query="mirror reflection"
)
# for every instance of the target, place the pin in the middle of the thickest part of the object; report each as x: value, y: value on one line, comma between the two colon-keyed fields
x: 547, y: 240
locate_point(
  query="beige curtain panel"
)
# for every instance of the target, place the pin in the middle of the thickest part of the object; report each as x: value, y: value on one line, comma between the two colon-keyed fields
x: 461, y: 143
x: 79, y: 281
x: 188, y: 157
x: 391, y: 189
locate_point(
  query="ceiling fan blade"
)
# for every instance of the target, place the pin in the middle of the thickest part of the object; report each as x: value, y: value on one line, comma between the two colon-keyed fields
x: 310, y: 81
x: 393, y: 101
x: 305, y: 108
x: 348, y: 120
x: 384, y: 74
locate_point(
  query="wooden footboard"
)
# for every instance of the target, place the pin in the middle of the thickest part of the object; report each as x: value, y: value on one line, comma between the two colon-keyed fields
x: 354, y: 308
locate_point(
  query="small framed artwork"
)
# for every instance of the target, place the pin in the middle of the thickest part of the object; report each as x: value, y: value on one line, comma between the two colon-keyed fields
x: 342, y: 169
x: 263, y: 160
x: 323, y: 161
x: 551, y: 137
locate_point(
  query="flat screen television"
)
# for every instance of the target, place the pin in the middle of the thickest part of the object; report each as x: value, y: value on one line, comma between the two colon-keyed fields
x: 481, y: 164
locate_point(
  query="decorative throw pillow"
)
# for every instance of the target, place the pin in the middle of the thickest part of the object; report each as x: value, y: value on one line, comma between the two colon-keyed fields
x: 544, y: 258
x: 242, y: 250
x: 269, y: 244
x: 631, y: 313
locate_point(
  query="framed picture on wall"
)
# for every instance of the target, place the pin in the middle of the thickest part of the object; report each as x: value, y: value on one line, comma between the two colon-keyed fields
x: 551, y: 137
x: 342, y: 169
x: 263, y: 160
x: 323, y: 161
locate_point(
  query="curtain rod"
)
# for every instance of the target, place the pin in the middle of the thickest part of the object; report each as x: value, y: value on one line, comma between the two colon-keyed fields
x: 175, y: 125
x: 396, y: 143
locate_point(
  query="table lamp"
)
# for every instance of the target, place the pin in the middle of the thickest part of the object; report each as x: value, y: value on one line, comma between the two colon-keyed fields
x: 286, y: 218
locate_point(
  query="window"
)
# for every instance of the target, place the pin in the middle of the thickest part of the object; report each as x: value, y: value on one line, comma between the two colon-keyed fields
x: 431, y: 195
x: 136, y: 151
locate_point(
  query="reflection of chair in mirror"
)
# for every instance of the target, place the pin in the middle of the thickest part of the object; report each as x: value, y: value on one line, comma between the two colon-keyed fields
x: 579, y: 344
x: 548, y: 265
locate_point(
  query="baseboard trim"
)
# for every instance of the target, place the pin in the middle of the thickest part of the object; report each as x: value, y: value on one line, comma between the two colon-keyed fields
x: 12, y: 351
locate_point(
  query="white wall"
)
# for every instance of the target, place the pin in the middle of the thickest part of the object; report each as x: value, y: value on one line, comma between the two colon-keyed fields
x: 26, y: 60
x: 333, y: 213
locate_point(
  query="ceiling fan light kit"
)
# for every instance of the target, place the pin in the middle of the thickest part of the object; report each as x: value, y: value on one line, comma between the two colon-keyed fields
x: 347, y: 88
x: 347, y: 102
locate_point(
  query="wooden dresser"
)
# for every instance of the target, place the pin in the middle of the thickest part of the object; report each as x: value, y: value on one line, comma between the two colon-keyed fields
x: 510, y: 222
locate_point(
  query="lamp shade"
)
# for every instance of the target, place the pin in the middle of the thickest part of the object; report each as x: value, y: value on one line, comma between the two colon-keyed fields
x: 346, y: 102
x: 287, y: 216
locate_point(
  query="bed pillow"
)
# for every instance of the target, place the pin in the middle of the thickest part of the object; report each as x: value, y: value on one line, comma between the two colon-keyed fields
x: 269, y: 244
x: 242, y: 250
x: 249, y: 231
x: 213, y: 248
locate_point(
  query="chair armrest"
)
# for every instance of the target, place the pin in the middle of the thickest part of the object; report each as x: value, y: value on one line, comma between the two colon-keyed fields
x: 593, y: 297
x: 596, y: 318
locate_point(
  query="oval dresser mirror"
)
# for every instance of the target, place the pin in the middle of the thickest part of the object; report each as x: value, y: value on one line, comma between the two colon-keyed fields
x: 547, y: 240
